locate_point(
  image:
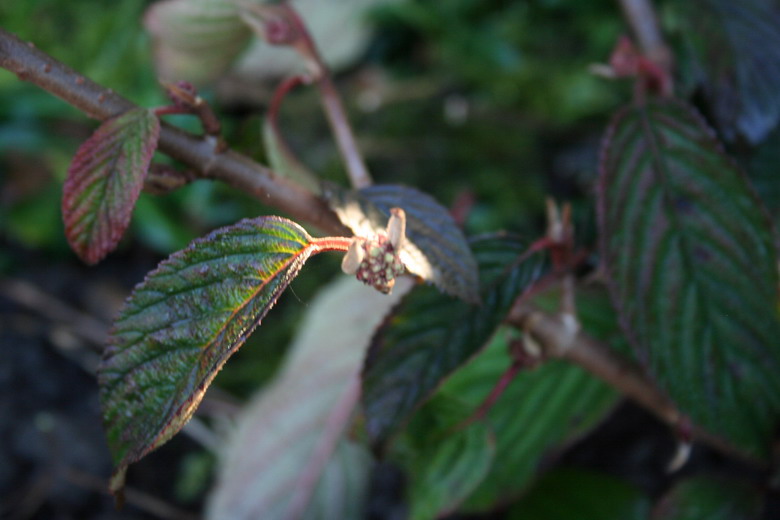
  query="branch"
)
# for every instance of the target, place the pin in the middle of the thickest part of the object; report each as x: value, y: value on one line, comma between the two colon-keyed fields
x: 199, y: 153
x: 644, y: 24
x: 558, y: 339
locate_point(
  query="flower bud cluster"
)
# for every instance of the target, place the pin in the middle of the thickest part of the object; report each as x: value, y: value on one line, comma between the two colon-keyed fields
x: 375, y: 261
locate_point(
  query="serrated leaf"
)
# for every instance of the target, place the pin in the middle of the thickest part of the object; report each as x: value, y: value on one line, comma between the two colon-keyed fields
x: 541, y: 410
x: 280, y: 434
x: 435, y: 249
x: 444, y: 464
x: 565, y: 494
x: 180, y: 325
x: 735, y: 47
x: 693, y: 270
x: 430, y: 335
x: 104, y: 181
x: 195, y: 40
x: 710, y: 498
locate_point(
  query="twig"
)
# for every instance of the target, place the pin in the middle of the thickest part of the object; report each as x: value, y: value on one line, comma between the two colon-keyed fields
x: 281, y: 25
x: 641, y: 16
x: 143, y: 501
x: 29, y: 296
x: 199, y: 153
x: 559, y: 341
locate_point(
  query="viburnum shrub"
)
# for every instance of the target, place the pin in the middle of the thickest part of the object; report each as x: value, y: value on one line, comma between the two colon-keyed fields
x: 465, y: 359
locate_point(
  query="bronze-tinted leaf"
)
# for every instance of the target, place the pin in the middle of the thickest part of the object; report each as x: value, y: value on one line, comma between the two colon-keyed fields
x: 181, y: 324
x: 104, y: 181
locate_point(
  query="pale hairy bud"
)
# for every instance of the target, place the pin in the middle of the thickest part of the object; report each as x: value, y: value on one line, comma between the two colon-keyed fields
x: 354, y: 256
x: 396, y: 227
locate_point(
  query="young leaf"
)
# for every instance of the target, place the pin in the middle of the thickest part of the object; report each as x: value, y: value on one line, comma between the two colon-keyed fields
x: 444, y: 464
x: 181, y: 324
x: 104, y: 181
x: 435, y: 249
x: 565, y: 494
x: 736, y: 50
x: 195, y: 40
x: 710, y: 498
x: 693, y: 270
x: 288, y: 454
x: 540, y: 411
x: 430, y: 335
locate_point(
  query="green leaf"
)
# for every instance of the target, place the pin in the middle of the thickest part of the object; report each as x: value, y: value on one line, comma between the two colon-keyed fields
x: 444, y: 464
x: 541, y: 410
x: 283, y: 162
x: 195, y: 40
x: 435, y: 249
x: 104, y: 181
x: 711, y: 499
x: 693, y: 268
x: 183, y: 321
x: 430, y: 335
x: 735, y: 48
x: 288, y: 455
x: 566, y: 494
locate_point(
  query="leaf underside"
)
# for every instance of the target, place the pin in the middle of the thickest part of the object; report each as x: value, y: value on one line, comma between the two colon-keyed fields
x: 444, y: 463
x: 195, y: 40
x: 540, y: 411
x: 735, y: 48
x: 104, y: 182
x: 430, y: 335
x: 288, y: 421
x: 183, y: 321
x: 435, y: 248
x: 693, y: 270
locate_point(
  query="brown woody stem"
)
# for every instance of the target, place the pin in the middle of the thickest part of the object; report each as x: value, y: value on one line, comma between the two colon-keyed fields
x: 201, y: 154
x: 557, y: 341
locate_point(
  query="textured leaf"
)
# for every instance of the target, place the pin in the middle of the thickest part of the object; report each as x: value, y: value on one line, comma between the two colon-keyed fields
x: 280, y: 436
x: 181, y: 324
x: 430, y: 335
x: 566, y: 494
x: 104, y: 181
x: 195, y: 40
x: 710, y: 498
x: 444, y: 464
x: 735, y: 47
x: 693, y: 270
x: 435, y: 248
x: 541, y: 410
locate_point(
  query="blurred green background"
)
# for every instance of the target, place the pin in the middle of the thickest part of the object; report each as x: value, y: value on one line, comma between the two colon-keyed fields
x: 488, y: 101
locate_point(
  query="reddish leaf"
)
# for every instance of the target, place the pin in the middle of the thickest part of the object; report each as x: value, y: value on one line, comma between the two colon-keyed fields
x: 104, y: 181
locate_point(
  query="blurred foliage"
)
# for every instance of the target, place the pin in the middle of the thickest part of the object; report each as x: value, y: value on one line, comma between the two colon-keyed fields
x: 492, y: 98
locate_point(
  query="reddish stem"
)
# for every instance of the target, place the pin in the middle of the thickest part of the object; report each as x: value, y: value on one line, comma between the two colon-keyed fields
x: 320, y: 245
x: 498, y: 390
x: 331, y: 102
